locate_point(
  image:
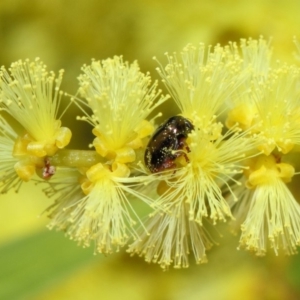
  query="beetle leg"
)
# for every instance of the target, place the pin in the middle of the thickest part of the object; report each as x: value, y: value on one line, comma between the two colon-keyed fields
x: 186, y: 158
x: 187, y: 148
x: 182, y: 145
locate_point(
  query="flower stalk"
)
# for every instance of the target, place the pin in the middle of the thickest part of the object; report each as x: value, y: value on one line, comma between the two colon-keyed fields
x: 232, y: 163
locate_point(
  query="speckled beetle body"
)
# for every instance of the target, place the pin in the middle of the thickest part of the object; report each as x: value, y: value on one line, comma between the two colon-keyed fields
x: 169, y: 137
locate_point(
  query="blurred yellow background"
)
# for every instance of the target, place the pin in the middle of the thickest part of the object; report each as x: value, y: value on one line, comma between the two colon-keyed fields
x: 39, y: 264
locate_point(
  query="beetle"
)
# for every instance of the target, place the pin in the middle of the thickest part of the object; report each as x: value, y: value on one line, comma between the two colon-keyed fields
x: 170, y: 136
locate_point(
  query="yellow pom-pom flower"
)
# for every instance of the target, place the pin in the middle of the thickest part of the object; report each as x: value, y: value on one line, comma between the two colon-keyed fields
x: 31, y: 95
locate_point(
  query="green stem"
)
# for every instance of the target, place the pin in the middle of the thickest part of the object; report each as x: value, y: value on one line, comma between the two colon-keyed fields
x: 75, y: 158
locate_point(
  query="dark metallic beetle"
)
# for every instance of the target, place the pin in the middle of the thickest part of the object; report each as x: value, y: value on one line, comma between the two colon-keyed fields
x: 169, y: 136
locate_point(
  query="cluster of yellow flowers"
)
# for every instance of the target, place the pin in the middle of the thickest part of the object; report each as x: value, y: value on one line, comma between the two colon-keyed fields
x: 226, y: 156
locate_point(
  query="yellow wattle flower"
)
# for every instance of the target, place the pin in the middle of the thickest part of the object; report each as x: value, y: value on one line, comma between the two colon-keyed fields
x: 121, y: 97
x: 31, y: 95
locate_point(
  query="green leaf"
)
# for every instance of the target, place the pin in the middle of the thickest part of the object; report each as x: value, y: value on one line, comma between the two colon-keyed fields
x: 30, y: 264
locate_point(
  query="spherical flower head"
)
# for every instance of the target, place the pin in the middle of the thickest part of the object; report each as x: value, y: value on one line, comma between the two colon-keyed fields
x: 200, y: 80
x: 273, y: 213
x: 208, y: 163
x: 99, y: 209
x: 189, y: 195
x: 268, y: 101
x: 277, y: 103
x: 31, y: 95
x: 121, y: 98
